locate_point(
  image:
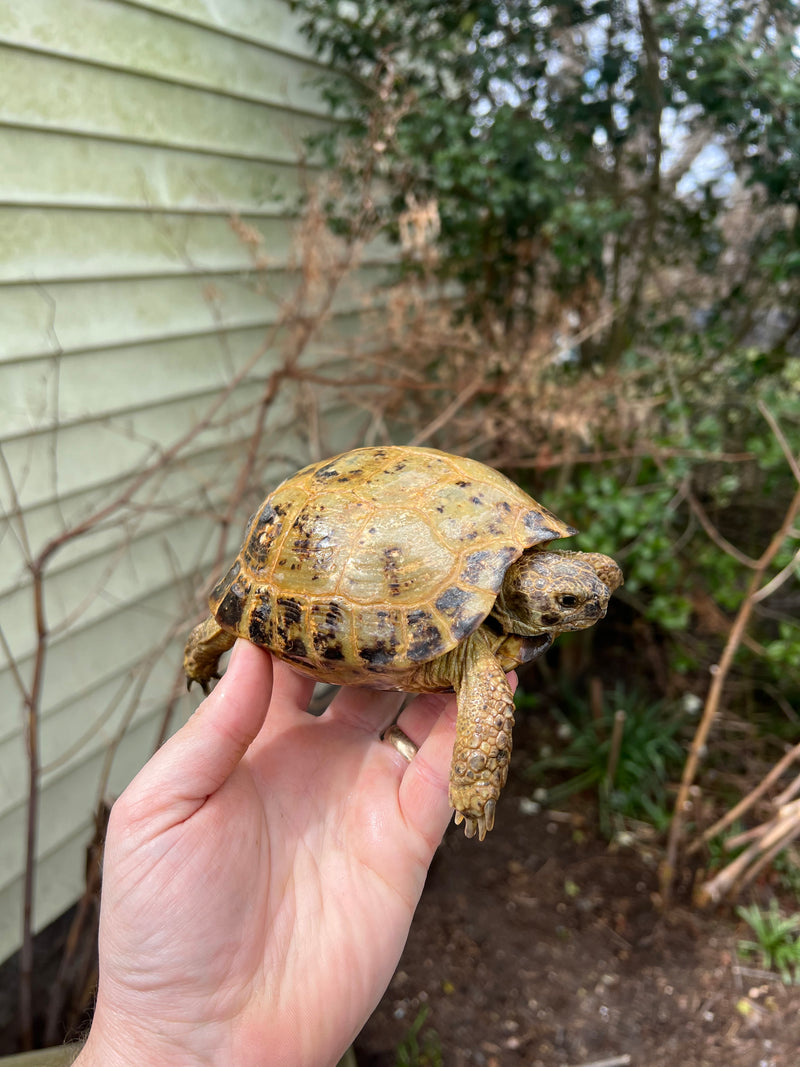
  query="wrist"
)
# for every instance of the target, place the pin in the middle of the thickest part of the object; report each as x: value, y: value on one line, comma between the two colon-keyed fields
x: 112, y: 1043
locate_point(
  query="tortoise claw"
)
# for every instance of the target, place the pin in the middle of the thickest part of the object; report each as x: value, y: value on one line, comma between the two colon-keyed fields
x: 489, y: 809
x: 478, y: 824
x: 205, y: 686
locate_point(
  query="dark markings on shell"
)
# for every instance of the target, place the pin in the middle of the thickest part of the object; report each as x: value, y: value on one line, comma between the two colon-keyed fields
x: 451, y: 601
x: 290, y: 612
x: 455, y: 604
x: 466, y: 625
x: 377, y: 655
x: 326, y: 625
x: 303, y: 546
x: 479, y: 564
x: 475, y: 565
x: 426, y: 640
x: 221, y: 587
x: 385, y: 635
x: 229, y: 612
x: 542, y: 525
x: 392, y: 561
x: 326, y: 472
x: 295, y: 649
x: 266, y: 518
x: 259, y: 621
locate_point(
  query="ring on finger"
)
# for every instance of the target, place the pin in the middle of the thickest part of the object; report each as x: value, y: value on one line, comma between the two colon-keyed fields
x: 402, y: 742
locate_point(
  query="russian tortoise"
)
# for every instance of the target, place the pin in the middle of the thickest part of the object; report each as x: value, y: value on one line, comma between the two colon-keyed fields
x: 409, y: 569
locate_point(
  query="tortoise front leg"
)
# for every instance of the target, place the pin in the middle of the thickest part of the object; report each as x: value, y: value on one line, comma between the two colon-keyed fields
x: 205, y: 645
x: 482, y: 748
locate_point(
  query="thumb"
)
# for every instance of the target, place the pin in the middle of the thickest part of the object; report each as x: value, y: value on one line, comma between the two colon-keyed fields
x: 196, y: 761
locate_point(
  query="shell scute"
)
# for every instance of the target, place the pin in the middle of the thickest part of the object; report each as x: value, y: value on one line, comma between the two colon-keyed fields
x: 259, y: 626
x: 382, y: 637
x: 427, y: 639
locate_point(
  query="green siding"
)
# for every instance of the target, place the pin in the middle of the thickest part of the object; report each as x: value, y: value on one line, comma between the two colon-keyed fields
x: 136, y: 142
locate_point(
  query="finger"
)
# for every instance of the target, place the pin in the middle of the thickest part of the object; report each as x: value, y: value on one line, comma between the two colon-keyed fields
x: 291, y: 690
x: 419, y: 716
x: 196, y: 761
x: 423, y: 790
x: 368, y: 710
x: 430, y: 721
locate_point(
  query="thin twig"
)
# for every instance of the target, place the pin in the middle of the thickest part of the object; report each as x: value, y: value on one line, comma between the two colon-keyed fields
x: 779, y: 579
x: 780, y: 437
x: 747, y: 802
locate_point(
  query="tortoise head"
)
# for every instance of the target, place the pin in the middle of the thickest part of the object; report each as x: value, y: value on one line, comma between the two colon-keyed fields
x: 550, y: 592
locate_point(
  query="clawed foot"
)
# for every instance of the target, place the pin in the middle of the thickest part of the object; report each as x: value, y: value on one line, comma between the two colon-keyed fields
x: 477, y: 824
x: 205, y: 683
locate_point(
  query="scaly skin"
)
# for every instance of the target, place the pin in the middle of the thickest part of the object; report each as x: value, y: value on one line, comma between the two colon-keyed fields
x: 206, y: 644
x: 482, y: 748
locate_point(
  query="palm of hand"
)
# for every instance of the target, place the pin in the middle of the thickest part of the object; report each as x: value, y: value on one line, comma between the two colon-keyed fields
x: 260, y: 906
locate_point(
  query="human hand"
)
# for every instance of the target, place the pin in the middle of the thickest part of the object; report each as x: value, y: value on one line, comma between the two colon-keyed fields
x: 261, y: 873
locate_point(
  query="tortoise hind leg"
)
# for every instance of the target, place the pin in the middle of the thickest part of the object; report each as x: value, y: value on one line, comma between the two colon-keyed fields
x: 483, y: 736
x: 205, y: 645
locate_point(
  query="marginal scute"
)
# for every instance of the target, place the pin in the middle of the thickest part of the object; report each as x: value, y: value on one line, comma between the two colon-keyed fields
x: 260, y: 616
x: 231, y: 607
x: 426, y: 640
x: 542, y: 525
x: 486, y: 567
x: 265, y: 528
x: 222, y: 586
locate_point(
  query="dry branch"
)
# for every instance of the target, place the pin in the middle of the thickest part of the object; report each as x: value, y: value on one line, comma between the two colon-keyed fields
x: 720, y: 670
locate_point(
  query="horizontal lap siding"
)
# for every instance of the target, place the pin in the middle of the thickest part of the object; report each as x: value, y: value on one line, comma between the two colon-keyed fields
x: 149, y: 202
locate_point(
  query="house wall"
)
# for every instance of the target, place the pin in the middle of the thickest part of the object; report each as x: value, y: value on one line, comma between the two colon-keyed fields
x: 149, y: 189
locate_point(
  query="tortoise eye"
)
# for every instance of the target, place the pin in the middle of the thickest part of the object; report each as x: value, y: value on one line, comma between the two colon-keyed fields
x: 569, y: 601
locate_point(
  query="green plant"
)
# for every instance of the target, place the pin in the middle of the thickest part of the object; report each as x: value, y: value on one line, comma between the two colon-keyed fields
x: 649, y: 754
x: 776, y: 944
x: 786, y: 866
x: 420, y: 1046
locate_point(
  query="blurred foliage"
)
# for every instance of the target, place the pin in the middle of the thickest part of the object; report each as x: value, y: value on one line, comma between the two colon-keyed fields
x: 420, y: 1046
x: 776, y: 944
x: 562, y: 144
x: 650, y: 756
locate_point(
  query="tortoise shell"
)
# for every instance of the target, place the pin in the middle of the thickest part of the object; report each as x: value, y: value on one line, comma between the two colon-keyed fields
x: 360, y: 568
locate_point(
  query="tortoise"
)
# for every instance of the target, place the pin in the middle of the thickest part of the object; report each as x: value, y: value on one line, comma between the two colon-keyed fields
x: 409, y: 569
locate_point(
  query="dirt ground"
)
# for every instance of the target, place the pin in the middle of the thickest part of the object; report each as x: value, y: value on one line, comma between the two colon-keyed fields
x: 542, y: 947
